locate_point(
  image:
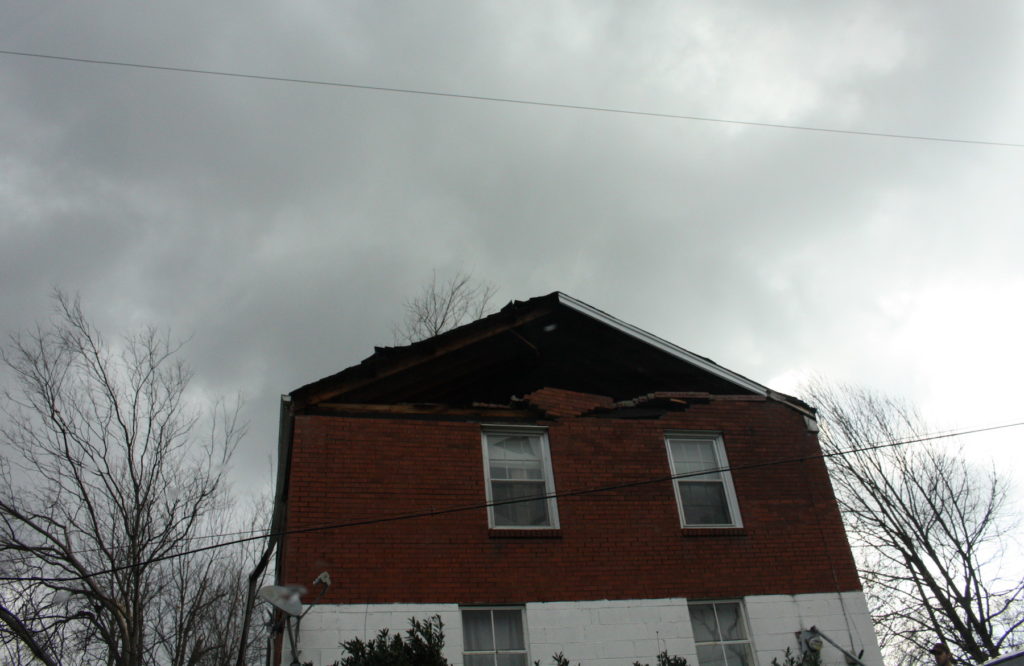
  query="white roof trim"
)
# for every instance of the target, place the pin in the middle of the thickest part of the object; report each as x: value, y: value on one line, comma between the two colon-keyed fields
x: 663, y: 345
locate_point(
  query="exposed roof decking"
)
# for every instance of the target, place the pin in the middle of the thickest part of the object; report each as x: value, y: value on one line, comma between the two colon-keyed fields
x: 549, y: 341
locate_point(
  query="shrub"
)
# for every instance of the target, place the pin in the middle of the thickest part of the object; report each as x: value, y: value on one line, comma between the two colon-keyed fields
x: 809, y: 658
x: 422, y: 646
x: 666, y: 659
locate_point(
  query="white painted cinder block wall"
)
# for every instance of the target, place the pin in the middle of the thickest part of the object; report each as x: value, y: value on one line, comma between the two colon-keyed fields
x: 609, y: 633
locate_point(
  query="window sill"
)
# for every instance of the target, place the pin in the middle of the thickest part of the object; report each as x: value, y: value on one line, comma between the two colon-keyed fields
x: 500, y: 533
x: 715, y: 532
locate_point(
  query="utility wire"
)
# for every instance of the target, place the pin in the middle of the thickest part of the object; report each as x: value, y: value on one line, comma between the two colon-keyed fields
x: 261, y: 533
x: 532, y: 498
x: 511, y: 100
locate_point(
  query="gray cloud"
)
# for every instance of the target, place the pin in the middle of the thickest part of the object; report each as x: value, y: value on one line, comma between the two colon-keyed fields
x: 282, y: 225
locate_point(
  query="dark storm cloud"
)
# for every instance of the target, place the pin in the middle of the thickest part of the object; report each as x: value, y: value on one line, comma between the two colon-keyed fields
x: 282, y: 225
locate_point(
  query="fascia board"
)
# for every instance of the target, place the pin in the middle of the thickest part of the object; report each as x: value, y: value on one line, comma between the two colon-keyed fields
x: 663, y: 345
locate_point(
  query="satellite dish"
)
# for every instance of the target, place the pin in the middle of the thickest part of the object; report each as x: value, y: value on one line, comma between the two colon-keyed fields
x: 285, y: 597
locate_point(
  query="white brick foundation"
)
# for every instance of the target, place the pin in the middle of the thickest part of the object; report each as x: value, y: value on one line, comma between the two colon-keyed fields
x: 609, y: 633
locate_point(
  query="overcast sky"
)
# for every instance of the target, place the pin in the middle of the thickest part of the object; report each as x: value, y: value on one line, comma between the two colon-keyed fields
x: 282, y: 225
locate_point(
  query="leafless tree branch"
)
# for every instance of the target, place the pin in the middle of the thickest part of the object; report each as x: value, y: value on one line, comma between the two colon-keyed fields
x: 928, y: 529
x: 108, y: 469
x: 443, y: 305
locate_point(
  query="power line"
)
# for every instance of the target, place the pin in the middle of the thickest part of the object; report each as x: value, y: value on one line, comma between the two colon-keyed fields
x: 511, y: 100
x: 533, y: 498
x: 260, y: 534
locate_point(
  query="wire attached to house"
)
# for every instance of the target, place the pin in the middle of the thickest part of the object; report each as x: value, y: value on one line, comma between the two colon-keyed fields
x: 532, y: 498
x: 511, y: 100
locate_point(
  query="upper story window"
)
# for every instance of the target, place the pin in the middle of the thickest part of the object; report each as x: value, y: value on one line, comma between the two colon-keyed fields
x: 517, y: 465
x: 720, y: 632
x: 494, y: 637
x: 705, y: 499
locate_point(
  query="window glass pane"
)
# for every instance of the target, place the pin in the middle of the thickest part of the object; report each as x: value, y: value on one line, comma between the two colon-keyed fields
x: 730, y: 622
x: 513, y: 447
x: 478, y: 660
x: 476, y: 630
x: 532, y: 514
x: 511, y: 660
x: 523, y: 514
x: 705, y: 629
x: 738, y: 654
x: 695, y: 456
x: 516, y: 469
x: 509, y: 490
x: 704, y: 503
x: 508, y: 630
x: 710, y: 655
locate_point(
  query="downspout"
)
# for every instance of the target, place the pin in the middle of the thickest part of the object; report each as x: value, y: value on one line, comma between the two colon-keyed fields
x: 284, y: 468
x: 250, y: 597
x: 277, y: 525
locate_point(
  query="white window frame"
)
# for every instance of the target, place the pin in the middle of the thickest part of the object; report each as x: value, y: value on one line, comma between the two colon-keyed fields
x: 549, y: 477
x: 722, y: 464
x: 714, y: 603
x: 526, y: 632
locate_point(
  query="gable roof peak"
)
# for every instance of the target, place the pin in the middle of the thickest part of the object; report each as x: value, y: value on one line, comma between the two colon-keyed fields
x: 541, y: 330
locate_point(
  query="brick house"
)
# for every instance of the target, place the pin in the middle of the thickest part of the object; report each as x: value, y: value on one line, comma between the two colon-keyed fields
x: 418, y: 454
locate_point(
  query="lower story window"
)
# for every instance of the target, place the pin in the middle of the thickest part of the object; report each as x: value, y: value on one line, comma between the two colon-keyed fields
x: 720, y: 632
x: 493, y: 637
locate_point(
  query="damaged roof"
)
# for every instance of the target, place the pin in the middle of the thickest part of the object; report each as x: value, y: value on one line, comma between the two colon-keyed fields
x: 552, y: 341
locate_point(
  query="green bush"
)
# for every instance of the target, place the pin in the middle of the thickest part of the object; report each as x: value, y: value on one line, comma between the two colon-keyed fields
x: 422, y: 646
x: 666, y: 659
x: 805, y: 659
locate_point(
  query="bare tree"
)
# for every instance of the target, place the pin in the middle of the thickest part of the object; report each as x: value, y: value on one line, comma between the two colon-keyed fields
x: 109, y: 471
x: 443, y: 305
x: 24, y: 645
x: 929, y: 530
x: 199, y: 617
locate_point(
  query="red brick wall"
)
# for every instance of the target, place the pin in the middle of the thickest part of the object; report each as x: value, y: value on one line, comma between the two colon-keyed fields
x: 619, y: 544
